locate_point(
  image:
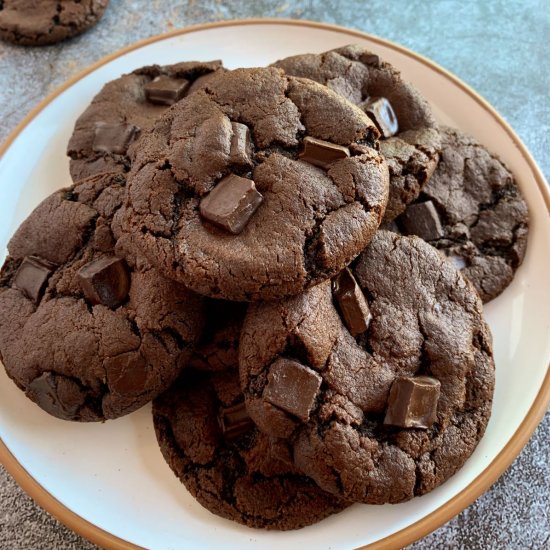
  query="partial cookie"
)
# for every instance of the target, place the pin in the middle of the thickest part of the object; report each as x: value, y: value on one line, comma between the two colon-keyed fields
x: 410, y: 140
x: 42, y: 22
x: 257, y: 187
x: 126, y: 107
x: 231, y: 468
x: 218, y: 348
x: 473, y: 211
x: 382, y: 385
x: 86, y: 335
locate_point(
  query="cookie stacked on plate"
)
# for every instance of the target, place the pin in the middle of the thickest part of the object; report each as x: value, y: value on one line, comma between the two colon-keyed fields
x: 221, y: 253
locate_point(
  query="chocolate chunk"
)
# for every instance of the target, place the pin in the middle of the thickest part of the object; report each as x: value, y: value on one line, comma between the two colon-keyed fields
x: 352, y: 303
x: 241, y: 146
x: 45, y: 392
x: 413, y: 402
x: 114, y: 138
x: 322, y: 153
x: 382, y: 114
x: 234, y: 421
x: 32, y: 276
x: 292, y: 387
x: 371, y: 59
x: 231, y: 203
x: 165, y: 90
x: 422, y: 220
x: 105, y: 281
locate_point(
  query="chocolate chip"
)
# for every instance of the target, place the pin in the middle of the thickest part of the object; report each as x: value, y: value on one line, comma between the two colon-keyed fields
x: 231, y: 203
x: 412, y: 402
x: 105, y: 281
x: 241, y: 146
x: 371, y: 59
x: 352, y: 303
x: 165, y: 90
x: 382, y: 114
x: 322, y: 153
x: 32, y: 276
x: 234, y: 421
x: 46, y: 389
x: 292, y: 387
x: 421, y: 219
x: 114, y: 138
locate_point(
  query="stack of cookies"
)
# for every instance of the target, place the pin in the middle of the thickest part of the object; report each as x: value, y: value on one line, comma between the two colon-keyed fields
x: 290, y: 262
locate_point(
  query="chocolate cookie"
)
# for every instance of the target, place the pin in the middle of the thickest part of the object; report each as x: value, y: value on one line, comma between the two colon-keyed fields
x: 410, y: 141
x: 86, y: 335
x: 473, y: 211
x: 42, y: 22
x: 126, y: 107
x: 256, y: 187
x: 382, y: 384
x: 218, y: 348
x: 230, y: 467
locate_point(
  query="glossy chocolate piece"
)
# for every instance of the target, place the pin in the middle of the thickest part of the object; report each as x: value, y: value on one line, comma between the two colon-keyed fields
x: 241, y: 146
x: 421, y: 219
x: 382, y: 114
x: 371, y: 59
x: 412, y: 402
x: 114, y: 138
x: 292, y: 387
x: 352, y: 303
x: 234, y: 421
x: 44, y: 392
x: 32, y: 276
x: 322, y: 153
x: 105, y: 281
x: 231, y: 203
x: 165, y: 90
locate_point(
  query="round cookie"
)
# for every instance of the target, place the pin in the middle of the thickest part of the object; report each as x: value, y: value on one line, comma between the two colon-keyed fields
x: 126, y: 107
x: 86, y: 335
x: 231, y: 468
x: 473, y: 211
x: 411, y: 147
x: 394, y: 411
x: 43, y: 22
x: 256, y: 187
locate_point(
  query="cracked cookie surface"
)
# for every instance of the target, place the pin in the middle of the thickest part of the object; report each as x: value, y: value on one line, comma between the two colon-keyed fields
x: 357, y: 74
x: 244, y: 476
x: 77, y: 360
x: 312, y: 221
x: 124, y: 100
x: 42, y: 22
x: 484, y: 218
x: 426, y: 320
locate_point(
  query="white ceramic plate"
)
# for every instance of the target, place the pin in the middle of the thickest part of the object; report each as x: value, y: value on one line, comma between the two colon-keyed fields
x: 112, y: 476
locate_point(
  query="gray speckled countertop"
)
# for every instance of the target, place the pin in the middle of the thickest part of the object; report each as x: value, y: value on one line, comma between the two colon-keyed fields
x: 500, y: 48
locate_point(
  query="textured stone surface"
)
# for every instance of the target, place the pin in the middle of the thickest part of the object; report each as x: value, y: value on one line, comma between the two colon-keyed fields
x: 475, y: 40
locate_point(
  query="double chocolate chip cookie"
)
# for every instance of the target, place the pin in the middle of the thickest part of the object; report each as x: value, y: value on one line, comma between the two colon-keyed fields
x: 42, y: 22
x: 381, y: 383
x: 256, y: 187
x: 231, y: 468
x: 473, y: 211
x: 126, y: 107
x: 85, y: 334
x: 409, y: 137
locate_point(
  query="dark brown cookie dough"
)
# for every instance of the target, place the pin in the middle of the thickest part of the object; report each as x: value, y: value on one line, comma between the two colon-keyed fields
x: 307, y: 379
x: 473, y: 211
x: 237, y: 472
x: 42, y: 22
x: 357, y: 74
x: 312, y: 222
x: 124, y: 108
x: 218, y: 348
x: 86, y: 335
